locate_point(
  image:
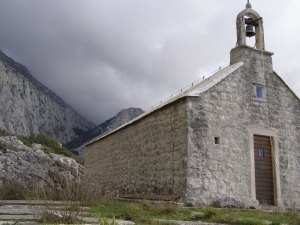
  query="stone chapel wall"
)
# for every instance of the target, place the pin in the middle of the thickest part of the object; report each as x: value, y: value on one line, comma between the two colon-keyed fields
x: 146, y: 157
x: 227, y: 111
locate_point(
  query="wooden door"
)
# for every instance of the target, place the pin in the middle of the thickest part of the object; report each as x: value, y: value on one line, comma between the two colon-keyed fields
x: 263, y: 170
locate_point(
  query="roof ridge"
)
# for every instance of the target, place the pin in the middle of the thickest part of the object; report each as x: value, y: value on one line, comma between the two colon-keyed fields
x: 211, y: 81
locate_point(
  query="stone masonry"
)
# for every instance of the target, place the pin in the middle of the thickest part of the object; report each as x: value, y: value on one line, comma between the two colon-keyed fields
x: 200, y: 145
x: 227, y: 111
x: 148, y: 157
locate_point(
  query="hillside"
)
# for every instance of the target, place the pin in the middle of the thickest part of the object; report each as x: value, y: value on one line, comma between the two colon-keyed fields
x: 118, y: 120
x: 27, y: 106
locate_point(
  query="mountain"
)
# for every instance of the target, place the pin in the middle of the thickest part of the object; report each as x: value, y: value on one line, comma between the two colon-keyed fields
x: 118, y: 120
x: 27, y: 106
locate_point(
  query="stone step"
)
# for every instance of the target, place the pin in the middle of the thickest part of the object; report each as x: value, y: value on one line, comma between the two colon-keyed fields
x: 30, y: 202
x: 16, y: 210
x: 187, y: 222
x: 23, y: 211
x: 18, y: 223
x: 16, y: 217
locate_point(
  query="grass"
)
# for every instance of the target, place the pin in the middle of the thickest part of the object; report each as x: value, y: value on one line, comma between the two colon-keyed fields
x: 50, y: 145
x: 145, y: 213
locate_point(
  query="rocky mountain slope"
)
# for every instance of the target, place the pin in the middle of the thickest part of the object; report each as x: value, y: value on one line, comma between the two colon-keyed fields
x: 32, y: 168
x: 27, y: 106
x: 121, y: 118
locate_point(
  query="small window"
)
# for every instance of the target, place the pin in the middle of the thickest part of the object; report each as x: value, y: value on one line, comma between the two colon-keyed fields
x: 217, y: 140
x: 261, y: 152
x: 260, y: 91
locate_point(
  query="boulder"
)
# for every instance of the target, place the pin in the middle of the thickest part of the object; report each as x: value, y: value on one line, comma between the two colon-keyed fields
x: 32, y: 168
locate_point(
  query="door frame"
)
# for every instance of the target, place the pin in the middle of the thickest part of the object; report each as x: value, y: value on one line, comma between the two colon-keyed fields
x: 272, y: 133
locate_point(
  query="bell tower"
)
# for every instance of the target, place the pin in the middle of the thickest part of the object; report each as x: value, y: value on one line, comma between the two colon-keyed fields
x: 248, y: 24
x: 257, y: 61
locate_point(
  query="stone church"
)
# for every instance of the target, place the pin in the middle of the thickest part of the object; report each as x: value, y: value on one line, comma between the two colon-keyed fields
x: 233, y: 137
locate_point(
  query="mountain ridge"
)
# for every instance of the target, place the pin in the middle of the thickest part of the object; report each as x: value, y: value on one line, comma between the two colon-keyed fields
x: 28, y: 106
x: 122, y: 117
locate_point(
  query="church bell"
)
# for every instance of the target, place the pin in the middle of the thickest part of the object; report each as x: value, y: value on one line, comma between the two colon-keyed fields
x: 250, y: 31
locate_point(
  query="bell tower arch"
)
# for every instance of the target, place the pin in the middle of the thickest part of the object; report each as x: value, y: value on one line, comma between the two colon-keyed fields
x: 249, y: 23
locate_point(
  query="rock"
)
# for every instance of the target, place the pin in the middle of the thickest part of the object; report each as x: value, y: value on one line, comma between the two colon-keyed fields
x: 251, y: 204
x: 36, y: 146
x: 229, y: 202
x: 33, y: 168
x: 27, y: 106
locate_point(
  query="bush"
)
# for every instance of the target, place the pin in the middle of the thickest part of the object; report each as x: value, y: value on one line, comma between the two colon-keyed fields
x: 70, y: 210
x: 168, y: 209
x: 131, y: 212
x: 210, y: 212
x: 230, y: 219
x: 104, y: 221
x: 12, y: 191
x: 146, y: 205
x: 50, y: 144
x: 4, y: 133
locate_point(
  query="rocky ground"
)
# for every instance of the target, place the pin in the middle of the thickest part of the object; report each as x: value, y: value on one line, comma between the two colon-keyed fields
x: 32, y: 168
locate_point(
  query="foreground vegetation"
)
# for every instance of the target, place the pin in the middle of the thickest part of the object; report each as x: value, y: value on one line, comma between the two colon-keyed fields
x: 49, y: 145
x: 142, y: 213
x: 146, y: 213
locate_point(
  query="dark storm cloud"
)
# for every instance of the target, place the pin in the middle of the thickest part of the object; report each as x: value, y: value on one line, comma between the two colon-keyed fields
x: 103, y: 56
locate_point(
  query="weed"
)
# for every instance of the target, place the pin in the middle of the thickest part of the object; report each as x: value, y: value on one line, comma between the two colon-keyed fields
x: 52, y: 215
x: 12, y: 190
x: 105, y: 221
x: 210, y: 212
x: 132, y: 212
x: 68, y: 212
x: 275, y: 223
x: 146, y: 205
x: 196, y: 216
x: 168, y: 209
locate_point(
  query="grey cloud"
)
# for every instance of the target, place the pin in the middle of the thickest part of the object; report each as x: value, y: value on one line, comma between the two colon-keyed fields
x: 102, y: 56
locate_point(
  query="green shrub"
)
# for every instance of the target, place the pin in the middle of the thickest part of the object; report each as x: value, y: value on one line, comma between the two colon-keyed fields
x: 51, y: 145
x: 231, y: 219
x: 146, y: 205
x: 167, y: 209
x: 196, y: 216
x: 5, y: 133
x: 210, y: 212
x: 275, y: 223
x: 249, y: 222
x: 131, y: 212
x: 104, y: 221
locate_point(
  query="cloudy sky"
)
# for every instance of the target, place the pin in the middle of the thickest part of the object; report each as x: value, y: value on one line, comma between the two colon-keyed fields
x: 101, y: 56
